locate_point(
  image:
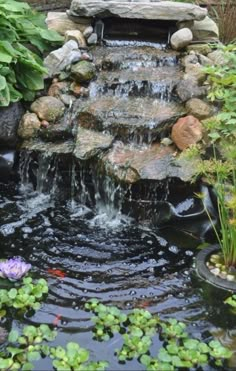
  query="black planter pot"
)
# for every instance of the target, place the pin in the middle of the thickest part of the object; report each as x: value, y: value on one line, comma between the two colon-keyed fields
x: 203, y: 271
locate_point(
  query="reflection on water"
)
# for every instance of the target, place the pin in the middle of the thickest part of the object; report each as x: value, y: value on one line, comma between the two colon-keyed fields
x: 83, y: 255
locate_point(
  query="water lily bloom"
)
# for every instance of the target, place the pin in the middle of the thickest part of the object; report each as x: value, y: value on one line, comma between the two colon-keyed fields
x: 14, y: 269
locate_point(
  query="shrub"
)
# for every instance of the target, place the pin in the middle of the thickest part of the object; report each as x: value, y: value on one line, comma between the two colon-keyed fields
x: 23, y: 38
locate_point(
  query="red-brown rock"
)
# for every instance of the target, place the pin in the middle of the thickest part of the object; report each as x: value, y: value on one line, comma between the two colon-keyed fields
x: 186, y: 131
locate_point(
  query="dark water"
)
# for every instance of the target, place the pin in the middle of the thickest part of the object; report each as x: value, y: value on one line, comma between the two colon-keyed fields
x: 111, y: 258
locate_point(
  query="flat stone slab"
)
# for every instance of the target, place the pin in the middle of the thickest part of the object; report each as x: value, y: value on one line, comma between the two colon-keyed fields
x: 49, y: 147
x: 156, y: 162
x: 159, y: 10
x: 91, y: 143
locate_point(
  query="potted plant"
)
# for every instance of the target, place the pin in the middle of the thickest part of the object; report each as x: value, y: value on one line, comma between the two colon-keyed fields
x: 217, y: 263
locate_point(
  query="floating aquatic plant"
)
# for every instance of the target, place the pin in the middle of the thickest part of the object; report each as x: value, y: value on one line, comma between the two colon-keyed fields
x: 14, y: 269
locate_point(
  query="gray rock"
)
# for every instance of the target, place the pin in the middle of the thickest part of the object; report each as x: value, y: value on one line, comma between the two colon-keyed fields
x: 187, y: 89
x: 189, y: 59
x: 88, y: 31
x: 83, y: 71
x: 199, y: 48
x: 65, y: 147
x: 48, y: 108
x: 91, y: 143
x: 9, y: 120
x: 59, y: 59
x: 67, y: 99
x: 93, y: 39
x: 205, y: 61
x: 164, y: 10
x: 181, y: 38
x: 198, y: 108
x: 205, y: 30
x: 29, y: 126
x: 195, y: 72
x: 217, y: 57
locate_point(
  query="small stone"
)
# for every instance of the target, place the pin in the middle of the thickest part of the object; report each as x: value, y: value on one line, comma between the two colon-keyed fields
x: 29, y: 126
x: 217, y: 57
x: 199, y: 48
x: 205, y: 30
x: 48, y: 108
x: 215, y: 271
x: 186, y: 132
x: 230, y: 277
x: 190, y: 59
x: 77, y: 36
x: 93, y: 39
x: 180, y: 39
x: 198, y: 108
x: 205, y: 61
x: 166, y: 141
x: 58, y: 88
x: 45, y: 124
x: 78, y: 90
x: 83, y: 71
x: 88, y: 32
x: 86, y: 57
x: 195, y: 72
x: 67, y: 99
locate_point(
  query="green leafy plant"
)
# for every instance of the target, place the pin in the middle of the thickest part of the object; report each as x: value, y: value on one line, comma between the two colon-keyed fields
x: 73, y: 357
x: 178, y: 350
x: 23, y: 349
x: 23, y: 296
x: 222, y: 80
x: 23, y: 38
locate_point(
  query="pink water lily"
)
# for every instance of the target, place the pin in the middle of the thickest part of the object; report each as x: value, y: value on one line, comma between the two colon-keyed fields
x: 14, y: 269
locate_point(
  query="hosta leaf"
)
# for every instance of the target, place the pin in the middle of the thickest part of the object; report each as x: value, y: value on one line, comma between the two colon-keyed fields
x: 14, y: 6
x: 3, y: 83
x: 13, y: 336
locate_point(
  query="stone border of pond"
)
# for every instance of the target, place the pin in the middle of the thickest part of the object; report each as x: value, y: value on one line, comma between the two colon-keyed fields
x: 204, y: 272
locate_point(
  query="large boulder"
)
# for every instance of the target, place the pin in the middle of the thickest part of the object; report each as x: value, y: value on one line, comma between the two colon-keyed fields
x: 48, y: 108
x: 9, y: 120
x: 186, y: 132
x: 163, y: 10
x: 181, y: 38
x: 83, y: 71
x: 61, y: 58
x: 195, y: 72
x: 29, y: 126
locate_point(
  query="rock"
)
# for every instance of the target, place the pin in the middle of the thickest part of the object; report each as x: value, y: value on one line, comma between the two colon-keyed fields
x: 185, y: 24
x: 3, y: 335
x: 60, y: 22
x: 48, y: 108
x: 194, y: 72
x: 164, y: 10
x: 57, y: 88
x: 217, y: 57
x: 92, y: 39
x: 7, y: 169
x: 77, y: 36
x: 197, y: 108
x: 86, y: 57
x: 59, y: 59
x: 67, y: 99
x: 180, y: 39
x: 91, y: 143
x: 215, y: 271
x: 83, y: 71
x: 166, y: 141
x: 186, y: 131
x: 88, y: 31
x: 205, y: 61
x: 199, y: 48
x: 64, y: 147
x: 29, y: 126
x: 130, y: 164
x: 56, y: 133
x: 187, y: 89
x: 205, y: 30
x: 10, y: 118
x: 78, y: 90
x: 189, y: 59
x: 45, y: 124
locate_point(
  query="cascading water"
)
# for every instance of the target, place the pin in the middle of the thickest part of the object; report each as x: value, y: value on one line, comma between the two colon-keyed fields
x: 67, y: 219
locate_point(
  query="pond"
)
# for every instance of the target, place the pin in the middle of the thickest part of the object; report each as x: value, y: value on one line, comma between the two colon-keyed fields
x: 85, y: 255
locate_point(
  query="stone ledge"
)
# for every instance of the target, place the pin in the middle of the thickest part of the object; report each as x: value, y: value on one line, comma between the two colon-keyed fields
x: 162, y: 10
